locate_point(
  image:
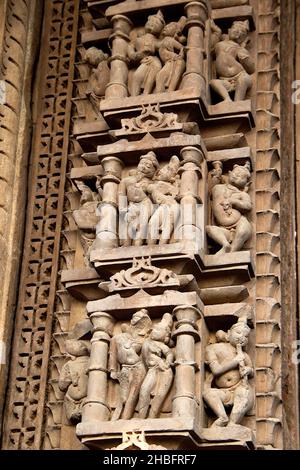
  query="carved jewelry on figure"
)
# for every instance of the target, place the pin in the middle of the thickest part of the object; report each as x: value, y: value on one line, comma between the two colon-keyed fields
x: 158, y: 358
x: 142, y: 55
x: 73, y: 379
x: 230, y: 202
x: 227, y: 383
x: 148, y: 202
x: 157, y: 56
x: 234, y: 66
x: 126, y: 365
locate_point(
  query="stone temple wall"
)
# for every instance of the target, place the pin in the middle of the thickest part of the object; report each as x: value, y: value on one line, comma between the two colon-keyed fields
x: 152, y: 306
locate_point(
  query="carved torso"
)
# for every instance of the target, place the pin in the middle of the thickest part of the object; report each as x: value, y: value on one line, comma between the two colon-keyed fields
x: 227, y: 64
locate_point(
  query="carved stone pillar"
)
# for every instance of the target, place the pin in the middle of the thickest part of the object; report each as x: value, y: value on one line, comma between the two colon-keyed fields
x: 197, y: 14
x: 107, y: 230
x: 186, y: 334
x: 117, y: 87
x: 95, y: 407
x: 189, y: 192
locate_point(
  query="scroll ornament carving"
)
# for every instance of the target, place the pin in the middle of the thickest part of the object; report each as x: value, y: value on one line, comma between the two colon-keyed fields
x: 227, y: 383
x: 143, y: 273
x: 148, y: 202
x: 73, y: 379
x: 234, y: 66
x: 151, y: 118
x: 230, y: 201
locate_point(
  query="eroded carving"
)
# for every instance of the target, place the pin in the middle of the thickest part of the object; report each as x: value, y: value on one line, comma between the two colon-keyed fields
x: 147, y: 202
x: 142, y: 54
x: 230, y: 203
x: 126, y: 365
x: 73, y: 379
x: 234, y: 65
x: 227, y: 383
x: 86, y: 217
x: 158, y: 358
x: 100, y: 73
x: 171, y: 53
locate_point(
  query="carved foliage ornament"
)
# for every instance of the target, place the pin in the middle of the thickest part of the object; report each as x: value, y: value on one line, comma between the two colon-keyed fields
x: 143, y: 273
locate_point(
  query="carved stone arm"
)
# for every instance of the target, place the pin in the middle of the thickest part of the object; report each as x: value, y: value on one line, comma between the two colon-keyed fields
x: 242, y: 202
x: 65, y: 378
x: 218, y: 369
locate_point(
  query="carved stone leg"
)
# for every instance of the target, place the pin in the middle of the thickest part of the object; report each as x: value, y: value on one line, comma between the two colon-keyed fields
x: 184, y: 404
x: 189, y: 193
x: 197, y: 14
x: 95, y: 407
x: 107, y: 228
x: 117, y: 87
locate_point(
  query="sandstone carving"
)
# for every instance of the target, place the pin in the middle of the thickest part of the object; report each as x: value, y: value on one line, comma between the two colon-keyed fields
x: 171, y: 53
x: 147, y: 202
x: 126, y: 365
x: 227, y: 384
x: 234, y: 65
x: 158, y: 359
x: 151, y: 118
x: 86, y: 217
x: 143, y: 274
x: 230, y: 203
x: 100, y: 73
x: 73, y: 379
x: 142, y: 54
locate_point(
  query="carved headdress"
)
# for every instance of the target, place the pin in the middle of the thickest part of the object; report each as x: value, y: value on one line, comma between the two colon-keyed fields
x: 159, y: 17
x: 152, y: 157
x: 244, y: 26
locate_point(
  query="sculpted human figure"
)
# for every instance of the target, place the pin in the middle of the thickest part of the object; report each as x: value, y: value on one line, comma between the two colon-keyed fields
x: 234, y: 65
x: 86, y: 217
x: 171, y: 52
x: 100, y: 74
x: 227, y: 385
x: 135, y: 204
x: 158, y: 359
x: 126, y: 365
x: 164, y: 193
x: 73, y: 379
x: 142, y: 52
x: 230, y: 201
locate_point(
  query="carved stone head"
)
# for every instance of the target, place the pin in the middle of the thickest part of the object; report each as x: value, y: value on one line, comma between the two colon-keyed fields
x: 148, y: 164
x: 238, y: 333
x: 141, y: 322
x: 239, y: 31
x: 240, y: 175
x: 155, y: 23
x: 95, y: 56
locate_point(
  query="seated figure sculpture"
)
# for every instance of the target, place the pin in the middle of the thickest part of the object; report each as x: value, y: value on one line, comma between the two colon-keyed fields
x: 230, y: 201
x: 234, y: 65
x: 142, y: 54
x: 227, y: 384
